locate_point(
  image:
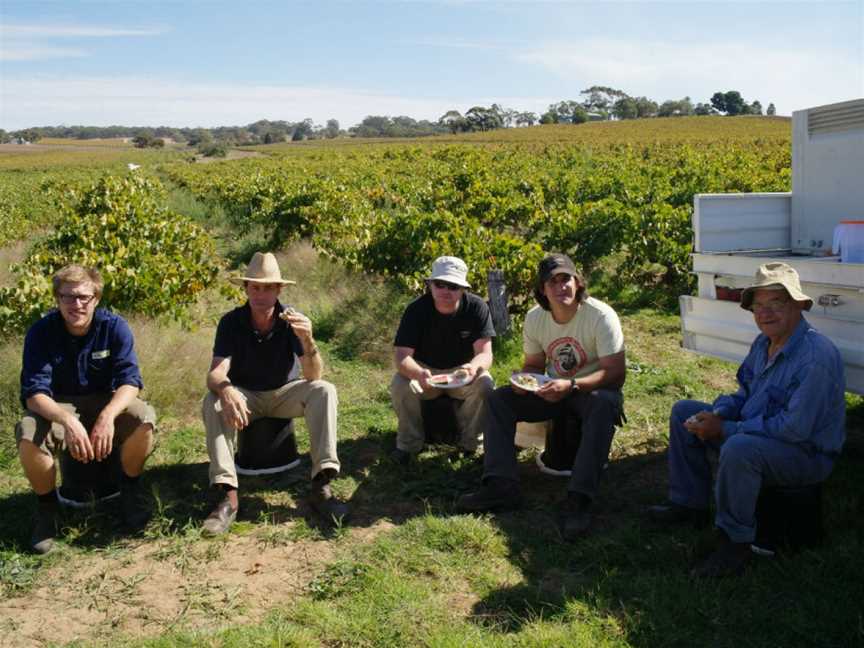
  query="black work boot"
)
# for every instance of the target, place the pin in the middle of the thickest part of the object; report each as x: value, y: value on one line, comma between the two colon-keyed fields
x: 496, y: 494
x: 322, y: 499
x: 729, y: 559
x: 44, y: 527
x: 133, y: 505
x: 575, y: 516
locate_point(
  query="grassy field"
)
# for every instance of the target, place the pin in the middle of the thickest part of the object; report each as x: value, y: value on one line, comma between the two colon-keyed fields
x: 407, y: 570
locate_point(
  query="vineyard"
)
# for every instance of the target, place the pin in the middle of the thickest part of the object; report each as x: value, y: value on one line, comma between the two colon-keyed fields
x: 604, y: 191
x: 407, y: 570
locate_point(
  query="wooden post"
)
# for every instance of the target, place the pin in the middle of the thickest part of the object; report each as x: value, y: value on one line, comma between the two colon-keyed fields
x: 498, y: 302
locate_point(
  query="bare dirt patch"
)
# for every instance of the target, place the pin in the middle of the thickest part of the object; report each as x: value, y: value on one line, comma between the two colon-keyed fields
x: 154, y: 587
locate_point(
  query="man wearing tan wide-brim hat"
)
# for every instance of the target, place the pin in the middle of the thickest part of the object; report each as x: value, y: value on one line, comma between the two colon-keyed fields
x: 784, y: 426
x: 261, y: 348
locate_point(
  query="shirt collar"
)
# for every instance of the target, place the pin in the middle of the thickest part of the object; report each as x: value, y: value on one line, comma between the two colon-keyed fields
x: 792, y: 343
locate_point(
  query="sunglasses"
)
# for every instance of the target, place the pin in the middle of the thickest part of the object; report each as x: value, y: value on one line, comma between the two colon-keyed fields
x: 444, y: 285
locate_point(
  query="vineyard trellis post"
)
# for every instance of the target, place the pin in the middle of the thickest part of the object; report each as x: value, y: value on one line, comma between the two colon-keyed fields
x: 498, y: 302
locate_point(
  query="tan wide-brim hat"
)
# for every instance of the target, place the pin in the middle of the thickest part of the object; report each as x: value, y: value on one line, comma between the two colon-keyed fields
x: 774, y: 276
x: 263, y: 268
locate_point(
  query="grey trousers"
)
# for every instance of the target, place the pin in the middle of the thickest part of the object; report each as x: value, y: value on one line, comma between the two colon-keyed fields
x: 314, y: 400
x: 600, y: 411
x: 470, y: 414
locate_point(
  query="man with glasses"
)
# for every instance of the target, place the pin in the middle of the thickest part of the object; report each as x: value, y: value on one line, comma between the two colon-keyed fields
x: 784, y: 426
x: 80, y: 382
x: 575, y: 342
x: 259, y: 352
x: 444, y: 342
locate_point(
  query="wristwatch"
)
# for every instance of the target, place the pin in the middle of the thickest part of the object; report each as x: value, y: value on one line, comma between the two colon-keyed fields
x: 573, y: 385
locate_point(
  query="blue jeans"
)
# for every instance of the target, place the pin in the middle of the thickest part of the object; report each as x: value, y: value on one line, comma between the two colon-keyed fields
x: 746, y: 463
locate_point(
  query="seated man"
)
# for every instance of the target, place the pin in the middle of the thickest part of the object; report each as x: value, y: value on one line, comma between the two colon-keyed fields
x: 80, y: 383
x: 784, y: 426
x: 254, y: 374
x: 445, y: 330
x: 577, y: 341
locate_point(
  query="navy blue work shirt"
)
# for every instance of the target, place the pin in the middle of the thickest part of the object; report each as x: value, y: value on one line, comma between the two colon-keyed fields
x: 258, y: 362
x: 58, y: 363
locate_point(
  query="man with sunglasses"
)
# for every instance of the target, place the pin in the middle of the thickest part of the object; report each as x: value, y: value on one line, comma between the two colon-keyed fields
x: 577, y: 343
x: 79, y: 383
x: 784, y: 426
x: 446, y: 330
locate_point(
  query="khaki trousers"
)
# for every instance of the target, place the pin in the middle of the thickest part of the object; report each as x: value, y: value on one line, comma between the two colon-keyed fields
x: 314, y: 400
x: 470, y: 414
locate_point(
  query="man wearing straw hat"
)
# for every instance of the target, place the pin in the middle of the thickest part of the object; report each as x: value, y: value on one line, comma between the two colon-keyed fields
x: 443, y: 344
x: 784, y: 426
x: 254, y: 373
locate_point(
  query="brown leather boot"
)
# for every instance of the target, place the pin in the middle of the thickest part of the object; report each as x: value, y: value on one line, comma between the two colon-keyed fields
x: 322, y: 499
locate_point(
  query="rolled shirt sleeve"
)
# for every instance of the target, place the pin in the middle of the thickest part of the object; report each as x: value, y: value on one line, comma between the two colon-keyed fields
x: 125, y: 370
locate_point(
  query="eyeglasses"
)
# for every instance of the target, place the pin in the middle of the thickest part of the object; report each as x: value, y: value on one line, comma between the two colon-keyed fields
x: 773, y: 306
x: 443, y: 285
x: 71, y: 298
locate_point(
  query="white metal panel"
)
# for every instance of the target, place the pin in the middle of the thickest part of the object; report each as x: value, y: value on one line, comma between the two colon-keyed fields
x: 725, y: 330
x: 816, y: 270
x: 827, y: 172
x: 752, y: 221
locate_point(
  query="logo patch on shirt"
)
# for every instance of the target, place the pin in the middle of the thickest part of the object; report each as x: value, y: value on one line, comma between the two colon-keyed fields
x: 566, y: 356
x: 99, y: 355
x: 464, y: 334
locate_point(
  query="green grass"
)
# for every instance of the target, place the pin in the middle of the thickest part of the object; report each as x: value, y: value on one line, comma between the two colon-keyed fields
x: 408, y: 570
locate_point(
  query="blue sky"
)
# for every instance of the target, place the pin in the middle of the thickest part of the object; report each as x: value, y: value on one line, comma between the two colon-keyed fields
x: 208, y: 63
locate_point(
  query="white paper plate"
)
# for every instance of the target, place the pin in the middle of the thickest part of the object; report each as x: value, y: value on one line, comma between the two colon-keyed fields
x: 540, y: 378
x: 453, y: 383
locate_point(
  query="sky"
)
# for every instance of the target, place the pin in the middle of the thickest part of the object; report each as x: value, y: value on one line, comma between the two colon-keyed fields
x: 218, y: 63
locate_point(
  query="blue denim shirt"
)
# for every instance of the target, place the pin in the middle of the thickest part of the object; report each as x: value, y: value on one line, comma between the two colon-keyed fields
x: 797, y: 396
x: 58, y: 363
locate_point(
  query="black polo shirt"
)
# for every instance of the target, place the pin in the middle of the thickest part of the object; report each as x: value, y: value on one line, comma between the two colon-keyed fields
x: 258, y: 363
x: 444, y: 341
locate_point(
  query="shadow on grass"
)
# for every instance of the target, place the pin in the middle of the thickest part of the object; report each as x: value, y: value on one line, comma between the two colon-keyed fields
x: 634, y: 576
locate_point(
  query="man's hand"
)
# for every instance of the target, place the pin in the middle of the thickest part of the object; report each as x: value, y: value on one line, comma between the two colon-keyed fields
x: 423, y: 379
x: 102, y: 436
x: 469, y: 369
x: 235, y: 411
x: 705, y: 425
x: 555, y: 390
x: 76, y: 439
x: 302, y: 327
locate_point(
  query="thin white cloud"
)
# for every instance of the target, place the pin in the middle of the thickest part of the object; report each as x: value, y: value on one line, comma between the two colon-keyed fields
x: 792, y: 77
x: 33, y: 52
x: 74, y: 31
x: 28, y: 102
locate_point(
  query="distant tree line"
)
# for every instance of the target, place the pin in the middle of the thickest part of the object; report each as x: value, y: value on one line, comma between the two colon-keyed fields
x: 595, y: 104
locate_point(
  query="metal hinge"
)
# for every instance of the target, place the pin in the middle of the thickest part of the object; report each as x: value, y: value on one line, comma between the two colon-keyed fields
x: 829, y: 300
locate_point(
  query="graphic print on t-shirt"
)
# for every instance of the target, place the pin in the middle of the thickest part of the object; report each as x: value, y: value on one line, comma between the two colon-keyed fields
x: 566, y: 356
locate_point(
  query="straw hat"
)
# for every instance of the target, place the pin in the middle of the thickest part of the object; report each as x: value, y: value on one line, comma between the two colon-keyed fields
x: 774, y: 276
x: 263, y: 268
x: 450, y: 269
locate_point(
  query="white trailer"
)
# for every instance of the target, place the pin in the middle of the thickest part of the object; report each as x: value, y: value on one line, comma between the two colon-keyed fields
x: 735, y: 233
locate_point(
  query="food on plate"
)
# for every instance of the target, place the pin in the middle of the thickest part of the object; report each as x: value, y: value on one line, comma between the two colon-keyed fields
x: 460, y: 374
x: 440, y: 379
x: 527, y: 381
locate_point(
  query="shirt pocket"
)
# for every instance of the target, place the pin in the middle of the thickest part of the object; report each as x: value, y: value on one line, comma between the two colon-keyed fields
x: 776, y: 400
x: 98, y: 371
